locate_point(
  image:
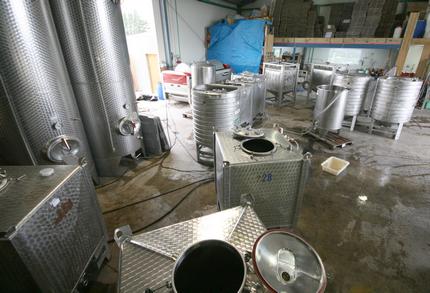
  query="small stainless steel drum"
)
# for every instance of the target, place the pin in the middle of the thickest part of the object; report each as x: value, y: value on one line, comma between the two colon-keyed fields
x: 209, y: 266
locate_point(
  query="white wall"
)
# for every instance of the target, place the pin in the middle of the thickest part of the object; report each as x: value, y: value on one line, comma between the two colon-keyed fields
x: 354, y: 58
x: 193, y: 17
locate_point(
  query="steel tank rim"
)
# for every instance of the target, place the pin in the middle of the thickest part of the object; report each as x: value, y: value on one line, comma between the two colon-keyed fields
x: 182, y: 255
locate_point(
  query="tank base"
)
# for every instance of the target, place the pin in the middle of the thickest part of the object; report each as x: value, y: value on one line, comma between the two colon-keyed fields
x: 282, y: 98
x: 350, y: 124
x: 112, y: 167
x: 205, y: 155
x: 391, y: 129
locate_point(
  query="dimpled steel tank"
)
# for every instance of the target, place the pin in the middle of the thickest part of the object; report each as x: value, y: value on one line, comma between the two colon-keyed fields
x: 36, y: 98
x: 357, y: 85
x: 215, y: 107
x: 395, y: 99
x: 93, y: 40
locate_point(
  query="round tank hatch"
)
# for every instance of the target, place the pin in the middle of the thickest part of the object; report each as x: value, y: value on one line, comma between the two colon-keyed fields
x: 258, y: 146
x: 284, y: 262
x: 63, y: 149
x: 209, y: 266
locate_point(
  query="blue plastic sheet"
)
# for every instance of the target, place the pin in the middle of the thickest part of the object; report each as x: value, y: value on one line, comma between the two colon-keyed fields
x: 240, y: 44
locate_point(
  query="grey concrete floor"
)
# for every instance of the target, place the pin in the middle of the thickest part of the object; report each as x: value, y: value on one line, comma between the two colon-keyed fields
x: 378, y: 245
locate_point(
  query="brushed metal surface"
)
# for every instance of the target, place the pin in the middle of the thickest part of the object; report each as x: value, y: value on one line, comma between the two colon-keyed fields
x: 36, y: 90
x: 281, y: 76
x: 52, y: 224
x: 141, y: 268
x: 258, y: 83
x: 274, y: 181
x: 395, y: 99
x: 215, y: 106
x: 246, y: 92
x: 367, y: 103
x: 321, y: 74
x: 202, y: 72
x: 330, y: 106
x: 93, y: 40
x: 357, y: 85
x: 300, y: 262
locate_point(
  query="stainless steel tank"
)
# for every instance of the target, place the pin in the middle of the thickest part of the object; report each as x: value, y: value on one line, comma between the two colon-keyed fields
x: 281, y: 79
x: 41, y: 117
x: 395, y: 99
x: 321, y: 74
x: 246, y: 91
x: 357, y: 85
x: 93, y: 40
x: 202, y: 72
x: 330, y: 107
x: 270, y: 169
x: 216, y: 107
x: 52, y: 232
x: 258, y: 83
x: 367, y: 103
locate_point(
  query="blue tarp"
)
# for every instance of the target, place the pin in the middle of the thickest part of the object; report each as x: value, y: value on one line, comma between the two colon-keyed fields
x: 240, y: 44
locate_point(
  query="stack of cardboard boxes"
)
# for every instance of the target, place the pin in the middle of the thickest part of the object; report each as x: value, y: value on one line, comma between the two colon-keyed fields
x: 294, y: 18
x: 373, y: 18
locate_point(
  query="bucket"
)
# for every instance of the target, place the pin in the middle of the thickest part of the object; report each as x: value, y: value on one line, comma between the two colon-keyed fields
x: 330, y: 107
x: 420, y: 29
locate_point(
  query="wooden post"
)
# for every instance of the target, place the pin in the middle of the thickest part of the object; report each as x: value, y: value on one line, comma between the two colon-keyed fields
x: 425, y: 57
x: 268, y: 45
x: 407, y: 39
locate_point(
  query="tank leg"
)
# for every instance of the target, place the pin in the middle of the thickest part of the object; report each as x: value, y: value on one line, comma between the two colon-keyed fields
x: 398, y: 131
x: 372, y: 123
x: 198, y: 152
x: 353, y: 121
x: 308, y: 96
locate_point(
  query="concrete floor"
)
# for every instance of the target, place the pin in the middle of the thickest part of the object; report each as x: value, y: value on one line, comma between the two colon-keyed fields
x: 378, y: 245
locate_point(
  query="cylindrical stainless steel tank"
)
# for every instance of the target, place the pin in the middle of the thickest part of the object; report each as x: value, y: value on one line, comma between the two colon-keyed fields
x: 395, y: 99
x: 329, y: 108
x: 93, y: 39
x: 202, y: 72
x: 216, y: 107
x: 367, y: 103
x: 36, y: 94
x: 258, y: 83
x: 357, y: 85
x: 246, y: 95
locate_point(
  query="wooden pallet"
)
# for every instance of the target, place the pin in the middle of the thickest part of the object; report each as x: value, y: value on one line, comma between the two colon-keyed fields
x: 333, y: 140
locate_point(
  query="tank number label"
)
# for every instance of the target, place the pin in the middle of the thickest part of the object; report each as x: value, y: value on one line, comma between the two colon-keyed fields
x: 267, y: 177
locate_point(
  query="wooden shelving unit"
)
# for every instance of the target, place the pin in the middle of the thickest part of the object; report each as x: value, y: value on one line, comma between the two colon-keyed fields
x: 371, y: 43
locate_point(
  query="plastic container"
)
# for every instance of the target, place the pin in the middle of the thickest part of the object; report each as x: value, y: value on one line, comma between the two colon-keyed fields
x: 334, y: 165
x: 420, y: 29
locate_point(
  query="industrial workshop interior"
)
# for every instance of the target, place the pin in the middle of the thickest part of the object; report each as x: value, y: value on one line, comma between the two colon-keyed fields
x: 215, y: 146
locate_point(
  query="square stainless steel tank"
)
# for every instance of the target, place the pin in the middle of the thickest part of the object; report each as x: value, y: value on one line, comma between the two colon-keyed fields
x: 270, y: 169
x: 51, y: 228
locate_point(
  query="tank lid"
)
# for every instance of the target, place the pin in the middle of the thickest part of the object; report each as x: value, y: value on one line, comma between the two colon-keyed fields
x: 284, y: 262
x: 242, y: 132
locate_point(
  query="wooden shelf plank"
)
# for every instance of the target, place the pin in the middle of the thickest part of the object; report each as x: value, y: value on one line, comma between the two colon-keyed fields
x: 339, y: 42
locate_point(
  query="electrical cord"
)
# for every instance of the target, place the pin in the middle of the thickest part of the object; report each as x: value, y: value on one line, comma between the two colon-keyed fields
x: 173, y: 208
x: 144, y: 169
x: 154, y: 196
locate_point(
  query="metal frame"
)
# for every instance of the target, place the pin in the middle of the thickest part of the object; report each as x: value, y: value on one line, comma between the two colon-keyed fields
x: 142, y: 267
x: 385, y: 128
x: 280, y: 99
